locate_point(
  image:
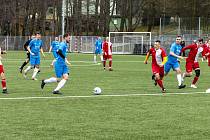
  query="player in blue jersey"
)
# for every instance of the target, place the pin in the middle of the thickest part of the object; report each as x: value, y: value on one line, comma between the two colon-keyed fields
x: 174, y: 55
x: 54, y: 47
x: 98, y: 49
x: 60, y: 66
x: 34, y: 48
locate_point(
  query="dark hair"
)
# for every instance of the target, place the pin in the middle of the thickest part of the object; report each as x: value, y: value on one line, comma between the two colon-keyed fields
x: 200, y: 40
x: 158, y: 41
x: 179, y: 36
x: 37, y: 33
x: 65, y: 35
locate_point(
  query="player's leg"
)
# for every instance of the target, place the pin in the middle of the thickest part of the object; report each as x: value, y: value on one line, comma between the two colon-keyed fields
x: 176, y: 67
x: 94, y: 57
x: 65, y: 75
x: 188, y: 73
x: 55, y: 56
x: 25, y: 63
x: 36, y: 69
x: 3, y: 79
x: 167, y: 68
x: 104, y: 61
x: 110, y: 63
x: 32, y: 64
x: 197, y: 75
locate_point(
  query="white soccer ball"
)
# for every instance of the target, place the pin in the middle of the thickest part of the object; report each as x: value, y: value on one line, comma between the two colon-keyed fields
x: 208, y: 90
x: 97, y: 90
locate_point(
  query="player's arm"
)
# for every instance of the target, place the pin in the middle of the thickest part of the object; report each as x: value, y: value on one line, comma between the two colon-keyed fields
x: 42, y: 52
x: 50, y: 49
x: 147, y: 57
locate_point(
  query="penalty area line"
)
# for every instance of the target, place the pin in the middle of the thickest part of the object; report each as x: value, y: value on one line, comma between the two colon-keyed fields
x: 98, y: 96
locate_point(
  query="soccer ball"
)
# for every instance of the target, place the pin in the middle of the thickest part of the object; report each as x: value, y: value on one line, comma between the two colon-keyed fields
x: 97, y: 90
x: 208, y: 90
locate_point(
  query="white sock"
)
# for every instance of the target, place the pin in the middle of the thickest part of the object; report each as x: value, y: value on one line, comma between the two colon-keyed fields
x: 102, y: 58
x: 27, y: 69
x: 53, y: 62
x: 60, y: 85
x: 35, y: 72
x: 94, y: 58
x: 50, y: 80
x: 183, y: 76
x: 179, y: 78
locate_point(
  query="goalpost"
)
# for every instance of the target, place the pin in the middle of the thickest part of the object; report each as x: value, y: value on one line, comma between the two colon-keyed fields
x: 130, y: 42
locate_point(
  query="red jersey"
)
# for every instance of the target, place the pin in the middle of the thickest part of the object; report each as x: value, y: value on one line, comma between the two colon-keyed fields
x: 194, y: 52
x: 157, y: 55
x: 107, y: 48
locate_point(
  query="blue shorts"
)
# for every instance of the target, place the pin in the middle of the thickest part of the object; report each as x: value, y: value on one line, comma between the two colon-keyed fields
x: 34, y: 60
x: 169, y: 65
x: 98, y: 51
x: 55, y: 55
x: 60, y: 69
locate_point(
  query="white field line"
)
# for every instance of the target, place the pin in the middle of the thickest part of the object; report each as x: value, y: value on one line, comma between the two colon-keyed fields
x: 98, y: 96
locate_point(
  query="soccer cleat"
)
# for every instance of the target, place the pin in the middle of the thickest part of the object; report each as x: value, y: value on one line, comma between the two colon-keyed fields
x: 104, y: 69
x: 182, y: 86
x: 153, y: 77
x: 110, y: 69
x: 34, y: 79
x: 56, y: 92
x: 193, y: 86
x: 21, y: 70
x: 42, y: 84
x: 4, y: 91
x: 38, y: 71
x: 163, y: 90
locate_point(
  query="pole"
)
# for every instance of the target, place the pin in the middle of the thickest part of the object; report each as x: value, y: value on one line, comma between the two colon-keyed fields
x: 199, y: 26
x: 63, y: 16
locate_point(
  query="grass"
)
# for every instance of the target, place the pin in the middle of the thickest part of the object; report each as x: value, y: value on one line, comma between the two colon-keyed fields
x: 103, y: 118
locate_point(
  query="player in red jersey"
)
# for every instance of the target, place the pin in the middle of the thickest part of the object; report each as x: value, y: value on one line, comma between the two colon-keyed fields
x: 159, y: 58
x: 107, y: 53
x: 207, y: 52
x: 192, y: 61
x: 3, y: 78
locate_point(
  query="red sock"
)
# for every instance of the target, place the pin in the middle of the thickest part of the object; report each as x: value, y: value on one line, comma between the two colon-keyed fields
x: 104, y: 64
x: 195, y: 80
x: 110, y: 64
x: 160, y: 83
x: 3, y: 83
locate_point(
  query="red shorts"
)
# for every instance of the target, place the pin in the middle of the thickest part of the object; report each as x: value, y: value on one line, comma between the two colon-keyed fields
x: 158, y: 69
x: 1, y: 69
x: 191, y: 66
x: 107, y: 57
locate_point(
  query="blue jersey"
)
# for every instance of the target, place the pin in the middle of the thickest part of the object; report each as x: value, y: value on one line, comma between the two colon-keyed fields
x: 63, y: 48
x: 176, y: 49
x: 98, y: 44
x: 35, y: 45
x: 55, y: 46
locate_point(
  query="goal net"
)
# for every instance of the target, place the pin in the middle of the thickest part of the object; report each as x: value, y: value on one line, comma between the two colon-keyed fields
x: 130, y: 42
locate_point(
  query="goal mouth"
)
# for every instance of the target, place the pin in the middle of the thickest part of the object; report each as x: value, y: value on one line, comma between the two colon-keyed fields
x: 130, y: 42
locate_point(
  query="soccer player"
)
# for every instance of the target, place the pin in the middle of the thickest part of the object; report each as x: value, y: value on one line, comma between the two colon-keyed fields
x: 34, y: 48
x: 54, y: 47
x: 3, y: 77
x: 175, y: 52
x: 192, y: 61
x: 207, y: 51
x: 159, y: 58
x: 107, y: 53
x: 61, y: 68
x: 98, y: 49
x: 27, y: 53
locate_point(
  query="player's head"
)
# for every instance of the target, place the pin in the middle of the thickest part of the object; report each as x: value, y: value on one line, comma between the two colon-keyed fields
x: 200, y: 42
x: 178, y: 39
x: 38, y: 35
x: 157, y: 44
x: 56, y: 38
x: 66, y: 37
